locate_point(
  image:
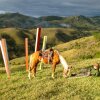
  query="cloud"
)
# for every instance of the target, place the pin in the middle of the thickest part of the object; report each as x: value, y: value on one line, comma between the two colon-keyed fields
x: 52, y: 7
x: 2, y: 12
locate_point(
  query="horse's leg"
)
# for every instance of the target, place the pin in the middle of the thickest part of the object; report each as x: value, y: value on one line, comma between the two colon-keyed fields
x: 41, y: 64
x: 34, y: 70
x: 30, y: 69
x: 53, y: 69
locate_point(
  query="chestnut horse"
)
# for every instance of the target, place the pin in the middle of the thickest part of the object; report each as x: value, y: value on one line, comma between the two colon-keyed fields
x: 48, y: 57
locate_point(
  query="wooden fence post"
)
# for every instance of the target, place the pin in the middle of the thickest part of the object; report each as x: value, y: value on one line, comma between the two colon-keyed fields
x: 37, y: 43
x: 43, y: 48
x: 44, y: 43
x: 26, y: 53
x: 5, y: 56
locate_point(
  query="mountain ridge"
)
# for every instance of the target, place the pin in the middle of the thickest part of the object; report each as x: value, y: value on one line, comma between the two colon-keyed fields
x: 18, y: 20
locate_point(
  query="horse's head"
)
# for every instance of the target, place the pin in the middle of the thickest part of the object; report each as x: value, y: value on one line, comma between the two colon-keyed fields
x: 66, y: 72
x: 65, y: 65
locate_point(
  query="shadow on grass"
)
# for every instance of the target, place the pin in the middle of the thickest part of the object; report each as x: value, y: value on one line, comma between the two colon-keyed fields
x: 85, y: 72
x: 13, y: 69
x: 18, y: 68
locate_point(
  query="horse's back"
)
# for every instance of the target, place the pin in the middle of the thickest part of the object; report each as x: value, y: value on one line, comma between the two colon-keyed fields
x: 36, y: 57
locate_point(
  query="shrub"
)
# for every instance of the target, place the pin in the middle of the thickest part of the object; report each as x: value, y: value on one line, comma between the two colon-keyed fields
x: 22, y: 34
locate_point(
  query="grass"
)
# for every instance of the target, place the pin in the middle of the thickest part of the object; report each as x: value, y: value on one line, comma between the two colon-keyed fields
x: 43, y: 87
x: 80, y: 49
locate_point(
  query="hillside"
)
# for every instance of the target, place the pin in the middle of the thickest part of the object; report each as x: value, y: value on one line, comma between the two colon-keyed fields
x: 79, y: 53
x: 15, y: 27
x: 17, y: 20
x: 16, y: 34
x: 73, y: 88
x: 15, y: 38
x: 80, y: 49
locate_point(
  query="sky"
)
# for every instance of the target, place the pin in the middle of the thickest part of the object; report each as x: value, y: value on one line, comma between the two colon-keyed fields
x: 37, y: 8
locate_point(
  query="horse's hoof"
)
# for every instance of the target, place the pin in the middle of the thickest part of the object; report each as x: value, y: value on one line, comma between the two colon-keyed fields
x: 33, y: 76
x: 52, y: 75
x: 40, y: 69
x: 64, y: 76
x: 29, y: 76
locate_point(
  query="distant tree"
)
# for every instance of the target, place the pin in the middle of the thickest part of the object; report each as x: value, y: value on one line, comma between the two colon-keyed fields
x: 22, y: 34
x: 62, y: 36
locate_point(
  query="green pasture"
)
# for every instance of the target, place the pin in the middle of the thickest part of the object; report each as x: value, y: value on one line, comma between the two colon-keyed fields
x: 80, y: 54
x: 43, y: 87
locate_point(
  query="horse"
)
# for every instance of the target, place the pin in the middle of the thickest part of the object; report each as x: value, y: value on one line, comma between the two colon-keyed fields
x: 49, y: 56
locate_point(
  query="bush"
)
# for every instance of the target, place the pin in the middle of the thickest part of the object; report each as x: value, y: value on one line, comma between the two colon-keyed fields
x: 22, y: 34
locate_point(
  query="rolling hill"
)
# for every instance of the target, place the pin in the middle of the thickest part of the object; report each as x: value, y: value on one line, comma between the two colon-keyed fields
x: 73, y: 40
x: 16, y: 27
x: 15, y: 38
x: 80, y: 49
x: 17, y: 20
x: 86, y: 48
x: 59, y: 88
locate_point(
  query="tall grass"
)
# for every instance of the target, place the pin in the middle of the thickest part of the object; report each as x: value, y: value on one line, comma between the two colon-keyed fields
x: 80, y: 49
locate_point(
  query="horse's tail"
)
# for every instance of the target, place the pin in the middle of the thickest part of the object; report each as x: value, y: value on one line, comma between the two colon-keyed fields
x: 64, y: 64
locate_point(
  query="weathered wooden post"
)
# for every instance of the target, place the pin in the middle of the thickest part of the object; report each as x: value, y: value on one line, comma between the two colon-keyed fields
x: 44, y: 43
x: 37, y: 43
x: 5, y: 56
x: 26, y: 53
x: 43, y: 48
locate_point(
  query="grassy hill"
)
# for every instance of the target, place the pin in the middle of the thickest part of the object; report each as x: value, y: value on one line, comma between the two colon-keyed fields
x: 15, y: 38
x: 80, y: 49
x: 86, y: 48
x: 73, y: 41
x: 17, y: 34
x: 17, y: 20
x: 44, y: 87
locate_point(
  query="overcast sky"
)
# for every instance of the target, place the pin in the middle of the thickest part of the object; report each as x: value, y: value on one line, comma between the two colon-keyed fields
x: 51, y: 7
